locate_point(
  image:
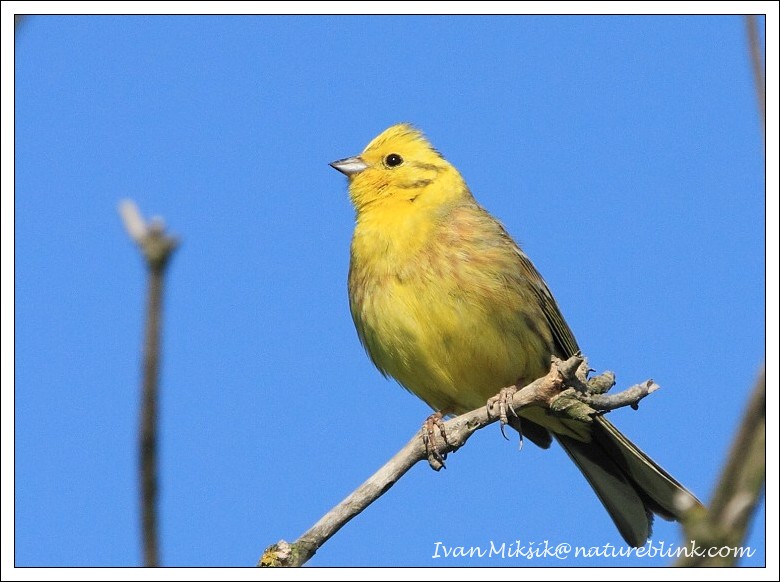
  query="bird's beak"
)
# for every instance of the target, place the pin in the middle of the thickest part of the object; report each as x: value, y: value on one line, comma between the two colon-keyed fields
x: 349, y: 166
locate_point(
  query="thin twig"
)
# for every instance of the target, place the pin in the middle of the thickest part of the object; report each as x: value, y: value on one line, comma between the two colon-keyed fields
x: 560, y: 390
x: 742, y: 481
x: 156, y: 248
x: 737, y: 494
x: 628, y: 397
x: 757, y: 61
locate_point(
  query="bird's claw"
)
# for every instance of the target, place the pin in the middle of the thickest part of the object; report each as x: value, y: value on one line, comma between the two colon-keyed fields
x: 504, y: 402
x: 435, y: 457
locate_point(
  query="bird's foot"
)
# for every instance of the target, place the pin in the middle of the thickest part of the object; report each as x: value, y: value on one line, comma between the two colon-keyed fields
x: 432, y: 424
x: 503, y: 400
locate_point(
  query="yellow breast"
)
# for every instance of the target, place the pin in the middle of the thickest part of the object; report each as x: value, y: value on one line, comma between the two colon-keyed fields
x: 440, y: 305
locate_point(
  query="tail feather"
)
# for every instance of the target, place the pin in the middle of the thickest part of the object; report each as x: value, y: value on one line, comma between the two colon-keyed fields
x: 664, y: 495
x: 630, y: 485
x: 616, y: 492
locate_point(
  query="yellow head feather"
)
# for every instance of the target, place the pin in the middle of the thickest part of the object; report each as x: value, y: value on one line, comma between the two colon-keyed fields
x: 398, y: 167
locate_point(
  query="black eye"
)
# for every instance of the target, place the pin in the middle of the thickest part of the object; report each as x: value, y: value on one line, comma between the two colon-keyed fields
x: 394, y: 160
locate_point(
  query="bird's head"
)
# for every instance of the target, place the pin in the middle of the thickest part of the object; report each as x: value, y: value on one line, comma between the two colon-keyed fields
x: 400, y: 166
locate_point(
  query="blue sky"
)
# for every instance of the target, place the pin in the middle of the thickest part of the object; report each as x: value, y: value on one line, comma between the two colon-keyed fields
x: 623, y: 153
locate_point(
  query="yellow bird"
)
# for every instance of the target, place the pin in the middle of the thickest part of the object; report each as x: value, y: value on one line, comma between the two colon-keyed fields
x: 445, y: 302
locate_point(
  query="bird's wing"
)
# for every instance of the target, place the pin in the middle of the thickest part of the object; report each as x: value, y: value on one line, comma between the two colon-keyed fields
x: 564, y: 338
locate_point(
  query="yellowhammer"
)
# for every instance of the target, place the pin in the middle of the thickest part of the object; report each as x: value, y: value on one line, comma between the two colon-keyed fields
x: 445, y: 302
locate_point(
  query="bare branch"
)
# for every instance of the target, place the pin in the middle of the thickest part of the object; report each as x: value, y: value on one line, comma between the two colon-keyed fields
x: 628, y: 397
x: 563, y: 390
x: 757, y: 61
x: 156, y: 248
x: 742, y: 480
x: 738, y: 492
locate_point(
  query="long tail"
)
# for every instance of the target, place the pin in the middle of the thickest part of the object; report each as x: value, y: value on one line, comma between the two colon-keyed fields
x: 630, y: 484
